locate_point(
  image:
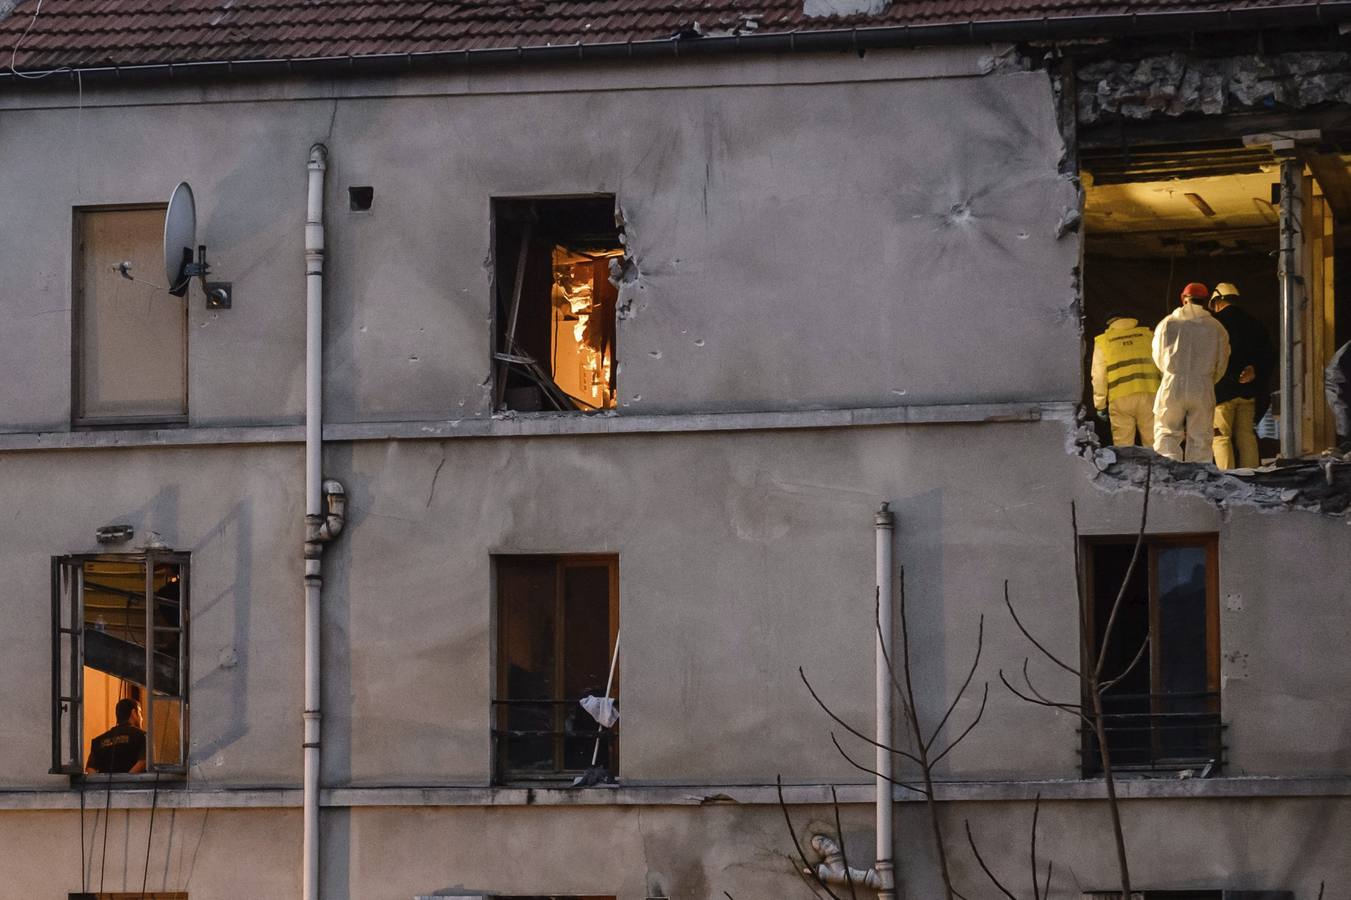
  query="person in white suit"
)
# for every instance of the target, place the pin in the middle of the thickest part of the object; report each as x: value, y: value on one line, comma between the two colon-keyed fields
x: 1191, y: 349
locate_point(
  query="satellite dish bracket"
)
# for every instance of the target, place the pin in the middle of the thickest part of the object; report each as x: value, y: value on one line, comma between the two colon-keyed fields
x: 180, y: 224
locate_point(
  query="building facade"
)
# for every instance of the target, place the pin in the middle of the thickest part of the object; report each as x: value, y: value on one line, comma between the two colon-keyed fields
x: 774, y: 288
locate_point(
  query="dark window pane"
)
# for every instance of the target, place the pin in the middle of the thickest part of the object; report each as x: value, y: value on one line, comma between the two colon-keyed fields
x: 1126, y: 704
x: 1183, y: 665
x: 586, y: 655
x: 527, y: 589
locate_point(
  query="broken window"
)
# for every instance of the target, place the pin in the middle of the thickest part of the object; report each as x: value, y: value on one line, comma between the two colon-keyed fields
x: 1257, y: 213
x: 1164, y: 713
x: 130, y: 334
x: 555, y: 303
x: 119, y: 640
x: 557, y: 627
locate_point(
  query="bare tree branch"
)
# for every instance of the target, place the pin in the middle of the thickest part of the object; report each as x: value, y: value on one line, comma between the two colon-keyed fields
x: 1067, y: 707
x: 862, y: 768
x: 1126, y: 579
x: 985, y: 696
x: 849, y: 728
x: 1139, y: 654
x: 839, y: 833
x: 980, y: 643
x: 1035, y: 643
x: 806, y: 866
x: 983, y: 867
x: 1036, y: 812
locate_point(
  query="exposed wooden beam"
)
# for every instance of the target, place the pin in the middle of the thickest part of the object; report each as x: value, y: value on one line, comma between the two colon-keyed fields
x: 1334, y: 176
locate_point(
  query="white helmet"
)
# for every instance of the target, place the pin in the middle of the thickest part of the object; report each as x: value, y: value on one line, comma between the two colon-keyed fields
x: 1226, y: 290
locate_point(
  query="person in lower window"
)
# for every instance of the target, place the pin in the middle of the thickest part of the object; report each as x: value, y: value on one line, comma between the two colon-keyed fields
x: 120, y: 749
x: 1191, y: 350
x: 1125, y: 379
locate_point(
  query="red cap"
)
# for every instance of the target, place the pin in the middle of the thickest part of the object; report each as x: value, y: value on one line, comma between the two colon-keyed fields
x: 1196, y: 290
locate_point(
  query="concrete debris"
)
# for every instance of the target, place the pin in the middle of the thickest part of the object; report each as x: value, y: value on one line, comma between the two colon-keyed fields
x: 820, y: 8
x: 1313, y: 485
x: 1176, y: 84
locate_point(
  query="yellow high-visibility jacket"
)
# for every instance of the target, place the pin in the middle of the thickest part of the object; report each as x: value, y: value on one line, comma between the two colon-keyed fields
x: 1122, y: 364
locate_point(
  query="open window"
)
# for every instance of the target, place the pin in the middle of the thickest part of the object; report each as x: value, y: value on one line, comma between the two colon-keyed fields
x: 554, y: 334
x: 120, y: 633
x: 1164, y: 714
x: 130, y: 337
x: 1257, y: 213
x: 557, y: 629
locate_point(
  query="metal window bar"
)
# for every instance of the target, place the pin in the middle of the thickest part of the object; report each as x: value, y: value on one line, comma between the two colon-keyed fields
x: 548, y: 753
x: 1164, y: 732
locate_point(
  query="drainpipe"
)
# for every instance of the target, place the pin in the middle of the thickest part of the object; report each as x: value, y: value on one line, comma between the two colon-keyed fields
x: 884, y: 523
x: 325, y: 505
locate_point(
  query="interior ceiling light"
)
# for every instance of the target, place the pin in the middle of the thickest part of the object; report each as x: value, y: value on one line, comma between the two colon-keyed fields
x: 1199, y: 202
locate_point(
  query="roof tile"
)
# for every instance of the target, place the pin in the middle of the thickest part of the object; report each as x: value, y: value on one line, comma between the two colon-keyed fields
x: 81, y: 33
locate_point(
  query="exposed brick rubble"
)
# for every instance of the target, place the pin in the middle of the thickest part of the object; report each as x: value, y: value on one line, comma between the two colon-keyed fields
x: 1314, y: 485
x: 1177, y: 84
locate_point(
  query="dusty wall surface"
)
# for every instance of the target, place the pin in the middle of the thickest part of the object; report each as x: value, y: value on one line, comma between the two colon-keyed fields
x: 794, y: 245
x: 638, y: 852
x: 741, y: 557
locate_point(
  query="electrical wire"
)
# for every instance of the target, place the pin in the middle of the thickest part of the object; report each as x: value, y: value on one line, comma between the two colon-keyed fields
x: 14, y: 54
x: 84, y: 874
x: 107, y: 807
x: 150, y: 833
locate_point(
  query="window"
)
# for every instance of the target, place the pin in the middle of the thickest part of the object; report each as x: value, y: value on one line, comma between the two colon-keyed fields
x: 555, y: 308
x: 119, y: 633
x: 130, y: 337
x: 1256, y: 213
x: 557, y: 627
x: 1165, y: 713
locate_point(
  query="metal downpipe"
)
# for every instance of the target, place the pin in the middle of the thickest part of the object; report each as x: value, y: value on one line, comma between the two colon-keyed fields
x: 884, y: 524
x: 314, y: 519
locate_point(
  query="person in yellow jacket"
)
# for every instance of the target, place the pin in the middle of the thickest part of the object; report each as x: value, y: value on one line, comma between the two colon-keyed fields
x: 1125, y: 379
x: 1191, y: 349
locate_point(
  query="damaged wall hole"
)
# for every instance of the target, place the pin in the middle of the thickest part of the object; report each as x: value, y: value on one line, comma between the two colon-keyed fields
x: 558, y: 263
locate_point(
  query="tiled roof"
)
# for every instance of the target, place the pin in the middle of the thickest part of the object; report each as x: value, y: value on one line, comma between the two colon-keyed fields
x: 96, y: 33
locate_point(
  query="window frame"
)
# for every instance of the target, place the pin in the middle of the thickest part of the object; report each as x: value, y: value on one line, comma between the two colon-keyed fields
x: 501, y: 773
x: 72, y: 706
x: 1150, y: 545
x: 506, y: 303
x: 79, y: 420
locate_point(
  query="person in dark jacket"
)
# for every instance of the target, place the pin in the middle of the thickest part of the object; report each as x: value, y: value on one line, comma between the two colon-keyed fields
x: 121, y: 748
x: 1251, y: 359
x: 1337, y: 386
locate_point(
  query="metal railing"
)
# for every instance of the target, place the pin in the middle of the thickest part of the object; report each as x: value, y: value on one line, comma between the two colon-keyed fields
x: 548, y: 740
x: 1158, y: 733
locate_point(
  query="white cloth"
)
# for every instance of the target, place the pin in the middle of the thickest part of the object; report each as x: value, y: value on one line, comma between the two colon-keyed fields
x: 602, y: 709
x: 1191, y: 349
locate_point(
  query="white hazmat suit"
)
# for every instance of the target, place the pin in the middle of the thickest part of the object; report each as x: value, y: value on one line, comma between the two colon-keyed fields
x: 1191, y: 349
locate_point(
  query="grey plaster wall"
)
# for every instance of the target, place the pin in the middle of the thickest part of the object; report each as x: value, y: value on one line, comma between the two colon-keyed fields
x: 805, y: 233
x: 239, y: 524
x: 633, y: 853
x: 741, y: 555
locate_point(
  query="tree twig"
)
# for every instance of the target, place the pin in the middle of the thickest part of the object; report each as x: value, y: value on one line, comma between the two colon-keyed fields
x: 839, y: 833
x: 983, y: 867
x: 806, y: 866
x: 862, y: 768
x: 846, y: 726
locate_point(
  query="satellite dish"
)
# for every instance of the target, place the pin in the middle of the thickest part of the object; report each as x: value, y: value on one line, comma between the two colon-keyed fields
x: 180, y: 236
